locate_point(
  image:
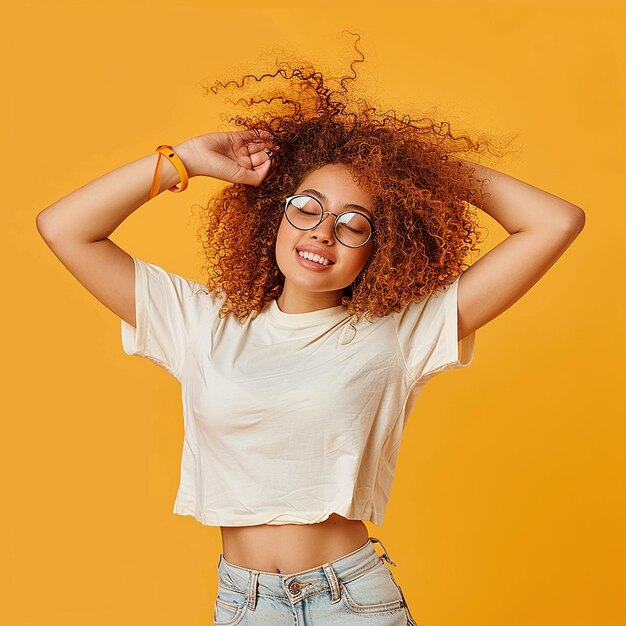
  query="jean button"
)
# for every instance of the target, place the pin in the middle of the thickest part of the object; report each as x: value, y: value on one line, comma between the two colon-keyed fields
x: 295, y: 587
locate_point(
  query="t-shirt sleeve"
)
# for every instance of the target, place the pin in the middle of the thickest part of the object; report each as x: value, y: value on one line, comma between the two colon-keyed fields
x: 167, y: 310
x: 428, y: 335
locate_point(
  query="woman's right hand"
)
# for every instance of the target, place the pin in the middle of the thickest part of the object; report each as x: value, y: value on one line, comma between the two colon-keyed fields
x: 236, y: 157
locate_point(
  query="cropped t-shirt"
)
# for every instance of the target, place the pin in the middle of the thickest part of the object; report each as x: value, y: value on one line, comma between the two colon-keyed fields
x: 289, y: 417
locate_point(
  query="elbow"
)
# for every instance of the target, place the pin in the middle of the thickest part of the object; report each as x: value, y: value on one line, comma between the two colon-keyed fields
x: 576, y: 222
x: 42, y: 229
x: 582, y: 219
x: 571, y: 223
x: 573, y: 226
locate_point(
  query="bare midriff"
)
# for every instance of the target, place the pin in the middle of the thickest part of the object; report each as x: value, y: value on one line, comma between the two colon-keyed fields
x: 291, y: 548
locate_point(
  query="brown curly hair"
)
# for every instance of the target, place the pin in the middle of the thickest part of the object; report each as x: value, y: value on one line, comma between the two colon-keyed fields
x: 423, y: 213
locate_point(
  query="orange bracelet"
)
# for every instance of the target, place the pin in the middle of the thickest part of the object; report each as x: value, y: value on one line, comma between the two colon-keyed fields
x: 175, y: 160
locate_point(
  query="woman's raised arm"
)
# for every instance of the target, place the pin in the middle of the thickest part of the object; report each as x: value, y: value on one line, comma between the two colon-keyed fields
x: 541, y: 227
x: 77, y: 227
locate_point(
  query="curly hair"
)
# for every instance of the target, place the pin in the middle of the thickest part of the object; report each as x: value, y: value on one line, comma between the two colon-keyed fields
x: 423, y: 213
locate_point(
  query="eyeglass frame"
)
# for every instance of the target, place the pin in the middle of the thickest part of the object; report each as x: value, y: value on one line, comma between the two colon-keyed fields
x: 288, y: 199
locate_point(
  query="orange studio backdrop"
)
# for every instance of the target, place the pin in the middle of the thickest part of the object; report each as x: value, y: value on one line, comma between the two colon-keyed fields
x: 508, y: 506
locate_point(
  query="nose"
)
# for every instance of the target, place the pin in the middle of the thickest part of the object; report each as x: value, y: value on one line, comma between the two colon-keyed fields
x: 326, y: 228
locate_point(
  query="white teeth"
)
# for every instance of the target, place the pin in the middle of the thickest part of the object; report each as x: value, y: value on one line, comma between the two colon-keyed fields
x: 314, y: 257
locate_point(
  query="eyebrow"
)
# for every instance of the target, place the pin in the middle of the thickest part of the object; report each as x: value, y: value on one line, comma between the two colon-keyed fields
x: 324, y: 198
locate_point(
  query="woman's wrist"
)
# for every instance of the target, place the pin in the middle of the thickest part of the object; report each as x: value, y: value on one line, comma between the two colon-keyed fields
x: 188, y: 154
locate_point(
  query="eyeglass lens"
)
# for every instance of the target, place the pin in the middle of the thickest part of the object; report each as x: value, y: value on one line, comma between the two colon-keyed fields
x: 305, y: 212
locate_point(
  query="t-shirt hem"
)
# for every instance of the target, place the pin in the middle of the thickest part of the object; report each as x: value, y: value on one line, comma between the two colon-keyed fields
x: 208, y: 519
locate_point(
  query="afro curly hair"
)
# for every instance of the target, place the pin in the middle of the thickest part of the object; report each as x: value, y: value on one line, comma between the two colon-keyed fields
x: 425, y: 224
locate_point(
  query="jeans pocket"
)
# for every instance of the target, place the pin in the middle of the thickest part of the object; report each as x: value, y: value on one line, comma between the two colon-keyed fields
x: 372, y: 592
x: 230, y: 606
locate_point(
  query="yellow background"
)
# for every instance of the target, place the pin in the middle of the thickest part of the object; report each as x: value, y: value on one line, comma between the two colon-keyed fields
x: 509, y: 502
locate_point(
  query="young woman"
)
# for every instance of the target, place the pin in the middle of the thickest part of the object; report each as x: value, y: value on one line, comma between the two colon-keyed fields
x: 335, y: 292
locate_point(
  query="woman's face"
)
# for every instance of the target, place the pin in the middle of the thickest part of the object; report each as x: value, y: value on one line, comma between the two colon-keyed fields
x: 310, y: 289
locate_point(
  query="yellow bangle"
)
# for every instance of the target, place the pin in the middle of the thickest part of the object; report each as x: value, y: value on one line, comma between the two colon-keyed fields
x: 168, y: 152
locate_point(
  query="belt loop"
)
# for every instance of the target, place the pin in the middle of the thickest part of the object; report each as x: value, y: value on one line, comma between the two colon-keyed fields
x: 386, y: 554
x: 252, y: 589
x: 331, y: 575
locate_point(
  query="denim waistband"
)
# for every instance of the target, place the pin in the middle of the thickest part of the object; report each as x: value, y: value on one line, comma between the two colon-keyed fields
x: 299, y: 585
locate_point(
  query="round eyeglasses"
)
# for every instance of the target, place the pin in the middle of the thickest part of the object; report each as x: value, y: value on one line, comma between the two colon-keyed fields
x: 351, y: 228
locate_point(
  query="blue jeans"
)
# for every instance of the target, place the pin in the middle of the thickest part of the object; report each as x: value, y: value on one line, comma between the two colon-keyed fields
x: 355, y: 589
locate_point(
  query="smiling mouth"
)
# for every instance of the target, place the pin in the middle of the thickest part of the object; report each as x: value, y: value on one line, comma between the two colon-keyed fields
x: 311, y: 261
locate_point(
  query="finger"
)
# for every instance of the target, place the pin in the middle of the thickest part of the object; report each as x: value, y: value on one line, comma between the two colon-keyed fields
x: 258, y: 158
x: 253, y: 176
x: 260, y: 147
x: 262, y: 170
x: 263, y: 138
x: 255, y: 135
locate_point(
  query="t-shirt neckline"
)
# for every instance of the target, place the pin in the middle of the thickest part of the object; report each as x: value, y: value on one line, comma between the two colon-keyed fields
x: 305, y: 320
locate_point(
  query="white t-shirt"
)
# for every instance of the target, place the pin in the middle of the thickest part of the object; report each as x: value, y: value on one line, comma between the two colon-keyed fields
x: 289, y: 417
